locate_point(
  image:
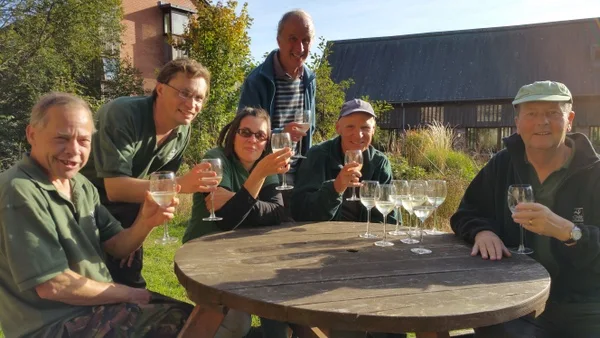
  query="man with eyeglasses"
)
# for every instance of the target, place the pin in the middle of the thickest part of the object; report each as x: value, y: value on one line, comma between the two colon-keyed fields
x: 141, y: 135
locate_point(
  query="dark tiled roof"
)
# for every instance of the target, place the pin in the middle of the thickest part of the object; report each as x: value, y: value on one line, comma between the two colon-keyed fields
x: 481, y: 64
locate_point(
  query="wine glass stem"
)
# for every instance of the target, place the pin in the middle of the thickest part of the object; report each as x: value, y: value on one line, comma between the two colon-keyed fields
x: 283, y: 184
x: 522, y: 245
x: 421, y: 239
x: 384, y: 224
x: 397, y: 219
x: 165, y: 232
x: 353, y: 193
x: 435, y: 218
x: 300, y: 147
x: 409, y: 227
x: 212, y: 205
x: 368, y: 219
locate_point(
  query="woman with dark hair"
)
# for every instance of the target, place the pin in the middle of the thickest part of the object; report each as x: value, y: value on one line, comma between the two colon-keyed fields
x: 246, y: 195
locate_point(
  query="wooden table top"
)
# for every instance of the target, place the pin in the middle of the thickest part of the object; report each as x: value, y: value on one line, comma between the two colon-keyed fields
x: 323, y: 274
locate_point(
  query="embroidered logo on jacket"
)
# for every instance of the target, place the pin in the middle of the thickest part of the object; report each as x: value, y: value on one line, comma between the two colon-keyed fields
x: 577, y: 215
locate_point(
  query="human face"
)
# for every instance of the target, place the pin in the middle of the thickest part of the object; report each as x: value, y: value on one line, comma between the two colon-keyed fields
x: 294, y: 43
x: 543, y: 125
x: 62, y: 146
x: 249, y: 149
x: 181, y: 99
x: 356, y: 131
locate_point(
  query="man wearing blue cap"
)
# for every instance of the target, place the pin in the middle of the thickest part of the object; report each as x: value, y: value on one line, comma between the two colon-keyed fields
x: 562, y: 224
x: 323, y: 178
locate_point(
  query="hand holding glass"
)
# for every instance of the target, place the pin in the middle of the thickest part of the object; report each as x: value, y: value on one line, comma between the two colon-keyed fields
x: 217, y: 167
x: 278, y: 142
x: 353, y: 156
x: 163, y: 188
x: 520, y: 193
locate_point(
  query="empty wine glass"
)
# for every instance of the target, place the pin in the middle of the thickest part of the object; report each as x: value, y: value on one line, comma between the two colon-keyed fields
x: 436, y: 195
x: 304, y: 127
x: 368, y: 192
x: 163, y: 188
x: 385, y: 203
x: 407, y: 203
x: 350, y: 157
x: 217, y: 167
x: 520, y: 193
x: 278, y: 142
x: 401, y: 192
x: 422, y: 212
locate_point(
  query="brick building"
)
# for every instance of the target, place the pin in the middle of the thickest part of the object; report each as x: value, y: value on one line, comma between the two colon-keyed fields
x: 147, y: 23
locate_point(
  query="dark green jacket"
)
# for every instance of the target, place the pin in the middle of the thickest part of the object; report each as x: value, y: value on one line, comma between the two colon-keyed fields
x: 577, y: 199
x: 314, y: 198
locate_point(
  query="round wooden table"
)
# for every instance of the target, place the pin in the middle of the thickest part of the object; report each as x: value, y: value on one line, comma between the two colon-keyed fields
x: 324, y: 275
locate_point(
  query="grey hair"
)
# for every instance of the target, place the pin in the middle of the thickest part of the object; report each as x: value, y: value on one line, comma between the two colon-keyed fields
x: 296, y: 13
x: 39, y: 113
x: 565, y: 107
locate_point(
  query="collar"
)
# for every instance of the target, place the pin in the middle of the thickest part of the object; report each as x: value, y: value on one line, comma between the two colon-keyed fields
x: 280, y: 73
x: 38, y: 174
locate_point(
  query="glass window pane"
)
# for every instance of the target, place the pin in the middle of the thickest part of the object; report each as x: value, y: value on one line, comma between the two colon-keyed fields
x: 179, y: 22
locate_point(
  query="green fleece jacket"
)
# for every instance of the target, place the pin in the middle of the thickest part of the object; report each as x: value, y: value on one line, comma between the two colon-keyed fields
x: 314, y: 197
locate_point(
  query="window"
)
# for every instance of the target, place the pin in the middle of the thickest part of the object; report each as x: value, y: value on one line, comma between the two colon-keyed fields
x: 175, y: 18
x: 489, y: 113
x: 432, y: 114
x: 595, y: 137
x: 385, y: 118
x: 177, y: 53
x: 487, y: 139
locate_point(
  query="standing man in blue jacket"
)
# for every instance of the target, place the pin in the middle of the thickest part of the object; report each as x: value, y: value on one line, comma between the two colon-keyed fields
x: 283, y: 85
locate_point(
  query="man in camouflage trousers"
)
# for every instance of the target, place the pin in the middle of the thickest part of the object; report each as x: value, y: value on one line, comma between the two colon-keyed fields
x: 53, y: 235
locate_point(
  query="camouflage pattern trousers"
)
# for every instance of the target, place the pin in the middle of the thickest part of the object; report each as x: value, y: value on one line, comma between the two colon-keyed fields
x: 162, y: 317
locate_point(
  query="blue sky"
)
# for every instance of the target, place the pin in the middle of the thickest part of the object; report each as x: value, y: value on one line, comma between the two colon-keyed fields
x: 350, y: 19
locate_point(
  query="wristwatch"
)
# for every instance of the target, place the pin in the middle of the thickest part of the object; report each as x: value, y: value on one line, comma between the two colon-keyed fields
x: 575, y: 236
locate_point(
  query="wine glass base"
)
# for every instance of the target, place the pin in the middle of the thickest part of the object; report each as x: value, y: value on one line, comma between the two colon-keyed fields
x: 421, y: 251
x: 433, y: 232
x: 521, y: 251
x: 397, y: 233
x: 353, y: 199
x: 284, y: 187
x: 166, y: 240
x: 212, y: 219
x: 383, y: 243
x: 409, y: 241
x: 297, y: 157
x: 367, y: 235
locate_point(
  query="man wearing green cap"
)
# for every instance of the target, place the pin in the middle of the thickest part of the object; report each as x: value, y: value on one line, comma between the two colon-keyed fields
x: 562, y: 225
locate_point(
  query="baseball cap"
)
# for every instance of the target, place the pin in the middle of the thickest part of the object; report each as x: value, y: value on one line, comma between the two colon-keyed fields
x: 355, y: 106
x: 543, y: 91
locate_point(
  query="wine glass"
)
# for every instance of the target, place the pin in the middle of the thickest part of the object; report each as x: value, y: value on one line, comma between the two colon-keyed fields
x: 350, y: 157
x: 163, y: 188
x: 304, y: 127
x: 407, y: 203
x: 401, y: 192
x: 422, y: 212
x: 217, y: 167
x: 436, y: 195
x: 520, y: 193
x: 278, y: 142
x: 368, y: 192
x: 385, y: 203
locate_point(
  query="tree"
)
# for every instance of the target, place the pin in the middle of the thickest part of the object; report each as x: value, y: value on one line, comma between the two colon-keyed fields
x: 330, y: 95
x: 50, y: 45
x: 218, y: 38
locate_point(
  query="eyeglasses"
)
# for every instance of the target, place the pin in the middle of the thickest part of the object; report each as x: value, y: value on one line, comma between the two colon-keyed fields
x: 185, y: 95
x: 247, y: 133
